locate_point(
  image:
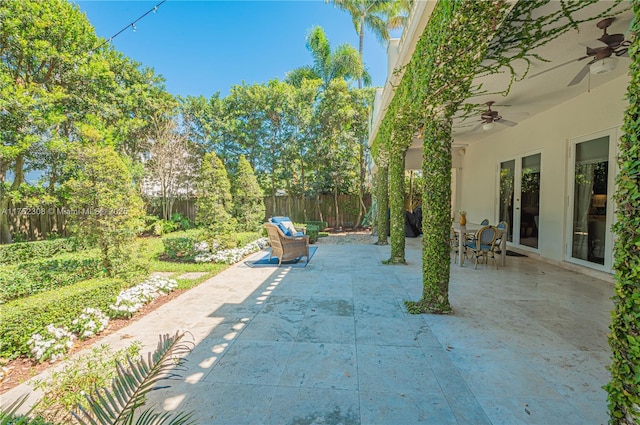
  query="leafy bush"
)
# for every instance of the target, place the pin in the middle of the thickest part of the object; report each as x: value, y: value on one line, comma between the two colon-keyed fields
x: 64, y: 390
x: 51, y: 344
x: 131, y: 300
x: 248, y: 202
x: 180, y: 248
x: 321, y: 224
x: 25, y: 317
x: 158, y: 227
x: 110, y: 209
x: 28, y: 251
x: 312, y: 231
x: 43, y: 275
x: 91, y: 322
x: 246, y: 238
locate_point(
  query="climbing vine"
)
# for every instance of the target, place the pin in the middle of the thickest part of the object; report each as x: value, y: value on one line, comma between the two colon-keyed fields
x: 624, y: 387
x: 382, y: 187
x: 464, y: 40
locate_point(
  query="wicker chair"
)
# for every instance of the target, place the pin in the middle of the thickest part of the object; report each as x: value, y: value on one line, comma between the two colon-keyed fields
x: 483, y: 244
x: 286, y: 248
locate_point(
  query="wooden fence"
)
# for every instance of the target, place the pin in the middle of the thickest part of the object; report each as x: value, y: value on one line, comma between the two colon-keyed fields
x: 40, y: 222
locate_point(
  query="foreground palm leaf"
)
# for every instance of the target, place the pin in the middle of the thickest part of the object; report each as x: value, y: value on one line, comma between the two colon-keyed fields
x: 9, y: 415
x: 128, y: 391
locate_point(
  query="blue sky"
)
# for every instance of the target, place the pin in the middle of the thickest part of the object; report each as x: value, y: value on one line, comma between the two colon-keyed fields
x: 201, y: 47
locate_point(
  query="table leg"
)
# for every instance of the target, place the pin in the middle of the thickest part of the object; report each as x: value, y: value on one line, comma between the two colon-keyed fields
x: 461, y: 238
x: 503, y: 250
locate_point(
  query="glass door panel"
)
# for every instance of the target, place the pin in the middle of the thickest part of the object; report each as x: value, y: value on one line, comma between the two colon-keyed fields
x: 530, y: 200
x: 590, y: 200
x: 507, y: 181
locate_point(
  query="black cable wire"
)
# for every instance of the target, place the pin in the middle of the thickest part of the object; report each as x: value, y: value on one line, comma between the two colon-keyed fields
x: 131, y: 25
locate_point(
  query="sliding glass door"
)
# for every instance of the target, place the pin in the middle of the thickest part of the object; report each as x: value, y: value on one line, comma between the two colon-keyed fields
x: 590, y: 215
x: 519, y: 198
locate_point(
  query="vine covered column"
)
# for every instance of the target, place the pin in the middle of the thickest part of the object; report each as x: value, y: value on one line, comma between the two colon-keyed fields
x: 624, y: 387
x: 449, y: 54
x: 396, y: 197
x: 436, y: 223
x: 382, y: 194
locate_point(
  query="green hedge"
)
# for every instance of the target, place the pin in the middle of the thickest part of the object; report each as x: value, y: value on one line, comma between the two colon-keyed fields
x: 321, y: 224
x: 312, y: 231
x: 24, y: 317
x: 28, y: 251
x: 43, y: 275
x: 180, y: 246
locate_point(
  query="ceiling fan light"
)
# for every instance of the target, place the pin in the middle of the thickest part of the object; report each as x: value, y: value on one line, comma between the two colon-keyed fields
x: 487, y: 126
x: 603, y: 66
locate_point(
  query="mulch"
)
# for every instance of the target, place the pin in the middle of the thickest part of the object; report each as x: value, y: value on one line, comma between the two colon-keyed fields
x: 22, y: 369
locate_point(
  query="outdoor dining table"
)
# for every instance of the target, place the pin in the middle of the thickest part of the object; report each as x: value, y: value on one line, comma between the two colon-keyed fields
x: 471, y: 229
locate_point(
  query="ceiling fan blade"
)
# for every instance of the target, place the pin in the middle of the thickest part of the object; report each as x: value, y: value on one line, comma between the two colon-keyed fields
x: 477, y: 127
x: 624, y: 53
x: 560, y: 65
x: 594, y: 44
x: 506, y: 122
x: 580, y: 75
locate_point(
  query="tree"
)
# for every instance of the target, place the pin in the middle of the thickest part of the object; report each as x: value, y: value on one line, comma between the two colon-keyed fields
x: 344, y: 62
x: 106, y: 209
x: 39, y: 45
x: 336, y: 147
x: 378, y: 16
x: 170, y: 169
x: 214, y: 203
x: 249, y: 209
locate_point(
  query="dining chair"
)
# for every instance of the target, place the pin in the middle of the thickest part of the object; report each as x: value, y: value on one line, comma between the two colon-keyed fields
x: 503, y: 228
x: 484, y: 222
x: 483, y: 244
x: 454, y: 243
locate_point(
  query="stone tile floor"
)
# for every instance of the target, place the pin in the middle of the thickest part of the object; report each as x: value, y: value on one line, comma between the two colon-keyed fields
x: 333, y: 344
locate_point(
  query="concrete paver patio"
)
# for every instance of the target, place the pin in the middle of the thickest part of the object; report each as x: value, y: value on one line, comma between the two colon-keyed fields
x: 333, y: 344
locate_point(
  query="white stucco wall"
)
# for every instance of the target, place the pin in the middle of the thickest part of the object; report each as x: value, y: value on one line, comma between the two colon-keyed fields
x: 548, y: 133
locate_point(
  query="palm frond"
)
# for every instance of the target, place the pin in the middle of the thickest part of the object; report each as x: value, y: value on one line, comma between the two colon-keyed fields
x: 129, y: 389
x: 9, y: 415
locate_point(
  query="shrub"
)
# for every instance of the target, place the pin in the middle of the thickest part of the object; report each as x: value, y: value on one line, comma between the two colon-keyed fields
x: 248, y: 202
x: 64, y: 390
x: 25, y: 317
x: 28, y: 251
x: 214, y: 202
x: 43, y: 275
x: 131, y: 300
x: 51, y: 344
x: 321, y: 224
x: 180, y: 248
x: 109, y: 210
x: 231, y: 256
x: 312, y: 231
x: 91, y: 322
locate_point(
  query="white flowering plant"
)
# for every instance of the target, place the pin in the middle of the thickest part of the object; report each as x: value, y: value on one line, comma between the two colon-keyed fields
x: 52, y: 344
x: 133, y: 299
x: 91, y: 322
x: 231, y: 256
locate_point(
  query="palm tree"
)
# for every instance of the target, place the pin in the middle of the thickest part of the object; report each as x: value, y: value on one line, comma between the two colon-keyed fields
x: 378, y: 15
x: 343, y: 62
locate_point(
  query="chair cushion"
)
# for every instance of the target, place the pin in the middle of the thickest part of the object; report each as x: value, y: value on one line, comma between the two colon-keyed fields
x: 286, y: 225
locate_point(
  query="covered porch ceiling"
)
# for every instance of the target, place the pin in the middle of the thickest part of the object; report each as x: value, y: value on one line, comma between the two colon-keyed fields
x: 537, y: 93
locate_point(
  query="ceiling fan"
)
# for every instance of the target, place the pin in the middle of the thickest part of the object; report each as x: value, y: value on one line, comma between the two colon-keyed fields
x: 600, y: 51
x: 489, y: 117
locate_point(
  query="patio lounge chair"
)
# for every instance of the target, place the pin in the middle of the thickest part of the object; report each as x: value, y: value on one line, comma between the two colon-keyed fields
x: 284, y: 247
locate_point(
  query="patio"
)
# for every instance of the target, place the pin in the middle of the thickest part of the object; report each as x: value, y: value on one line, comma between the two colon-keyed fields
x: 332, y: 344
